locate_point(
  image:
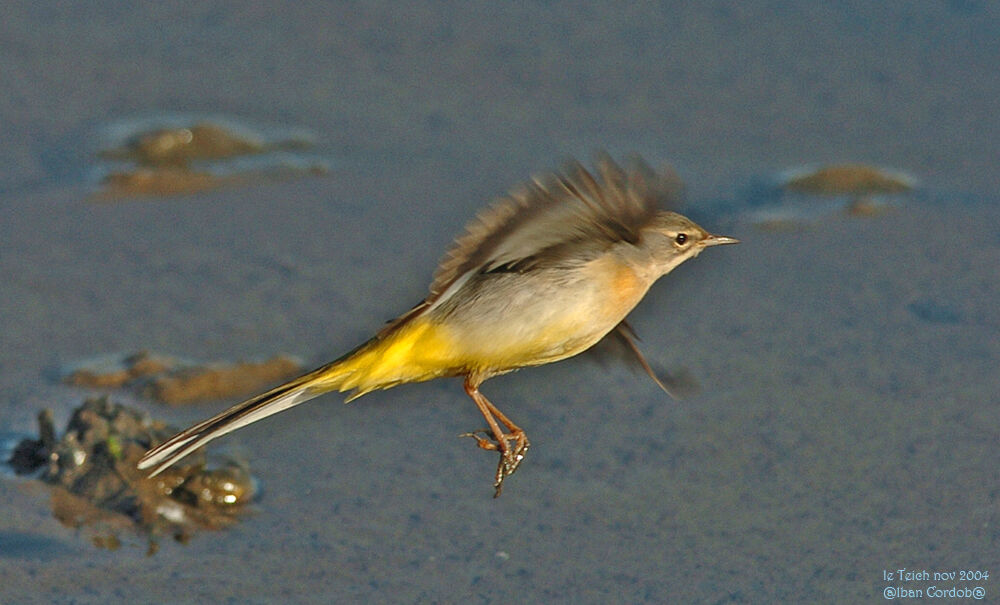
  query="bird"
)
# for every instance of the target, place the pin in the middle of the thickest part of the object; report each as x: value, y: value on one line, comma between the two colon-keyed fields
x: 541, y: 275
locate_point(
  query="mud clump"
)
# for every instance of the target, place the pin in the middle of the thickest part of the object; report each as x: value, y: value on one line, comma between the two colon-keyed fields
x: 175, y: 382
x: 848, y: 179
x: 865, y: 187
x: 183, y: 154
x: 181, y: 146
x: 92, y: 469
x: 801, y: 196
x: 189, y: 385
x: 116, y: 371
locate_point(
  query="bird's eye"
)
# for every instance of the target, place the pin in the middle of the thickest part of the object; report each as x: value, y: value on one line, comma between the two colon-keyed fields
x: 681, y: 239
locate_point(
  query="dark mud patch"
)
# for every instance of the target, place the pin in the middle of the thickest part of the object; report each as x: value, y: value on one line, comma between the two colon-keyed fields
x: 96, y: 486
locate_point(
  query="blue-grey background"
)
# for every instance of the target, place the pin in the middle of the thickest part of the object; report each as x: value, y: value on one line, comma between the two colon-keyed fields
x: 848, y: 418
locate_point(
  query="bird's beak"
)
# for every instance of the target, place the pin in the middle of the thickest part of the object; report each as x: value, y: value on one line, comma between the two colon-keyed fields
x: 718, y: 240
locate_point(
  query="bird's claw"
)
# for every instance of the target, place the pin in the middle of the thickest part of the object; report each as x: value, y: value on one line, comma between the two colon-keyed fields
x: 512, y: 448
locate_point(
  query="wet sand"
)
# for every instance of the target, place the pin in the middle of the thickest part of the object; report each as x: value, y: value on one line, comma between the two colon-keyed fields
x: 848, y: 419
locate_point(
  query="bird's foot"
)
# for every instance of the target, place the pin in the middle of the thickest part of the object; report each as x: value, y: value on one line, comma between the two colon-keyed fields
x: 512, y: 447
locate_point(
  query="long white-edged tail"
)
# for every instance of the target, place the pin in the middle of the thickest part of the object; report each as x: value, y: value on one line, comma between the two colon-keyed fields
x: 380, y: 363
x: 276, y: 400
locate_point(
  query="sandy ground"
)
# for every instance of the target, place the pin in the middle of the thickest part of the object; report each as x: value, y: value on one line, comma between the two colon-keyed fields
x: 848, y: 421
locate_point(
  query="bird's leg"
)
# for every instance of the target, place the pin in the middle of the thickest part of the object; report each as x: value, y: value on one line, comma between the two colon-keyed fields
x: 512, y: 445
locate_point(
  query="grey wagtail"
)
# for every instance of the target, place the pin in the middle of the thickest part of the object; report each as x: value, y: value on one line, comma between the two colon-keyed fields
x: 542, y: 275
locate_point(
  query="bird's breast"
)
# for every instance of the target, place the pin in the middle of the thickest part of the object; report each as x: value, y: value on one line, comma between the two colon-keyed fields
x: 620, y: 287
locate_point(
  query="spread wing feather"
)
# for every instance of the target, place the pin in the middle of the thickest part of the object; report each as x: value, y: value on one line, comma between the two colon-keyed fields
x: 540, y: 221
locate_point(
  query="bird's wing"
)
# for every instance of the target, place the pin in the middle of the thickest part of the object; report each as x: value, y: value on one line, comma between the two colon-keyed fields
x: 621, y: 343
x: 544, y: 220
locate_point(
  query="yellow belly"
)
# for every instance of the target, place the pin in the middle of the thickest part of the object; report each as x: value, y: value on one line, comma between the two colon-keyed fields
x: 417, y: 351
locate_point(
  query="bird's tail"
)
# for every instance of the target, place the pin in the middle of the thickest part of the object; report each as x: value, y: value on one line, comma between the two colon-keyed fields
x: 410, y: 350
x: 338, y: 375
